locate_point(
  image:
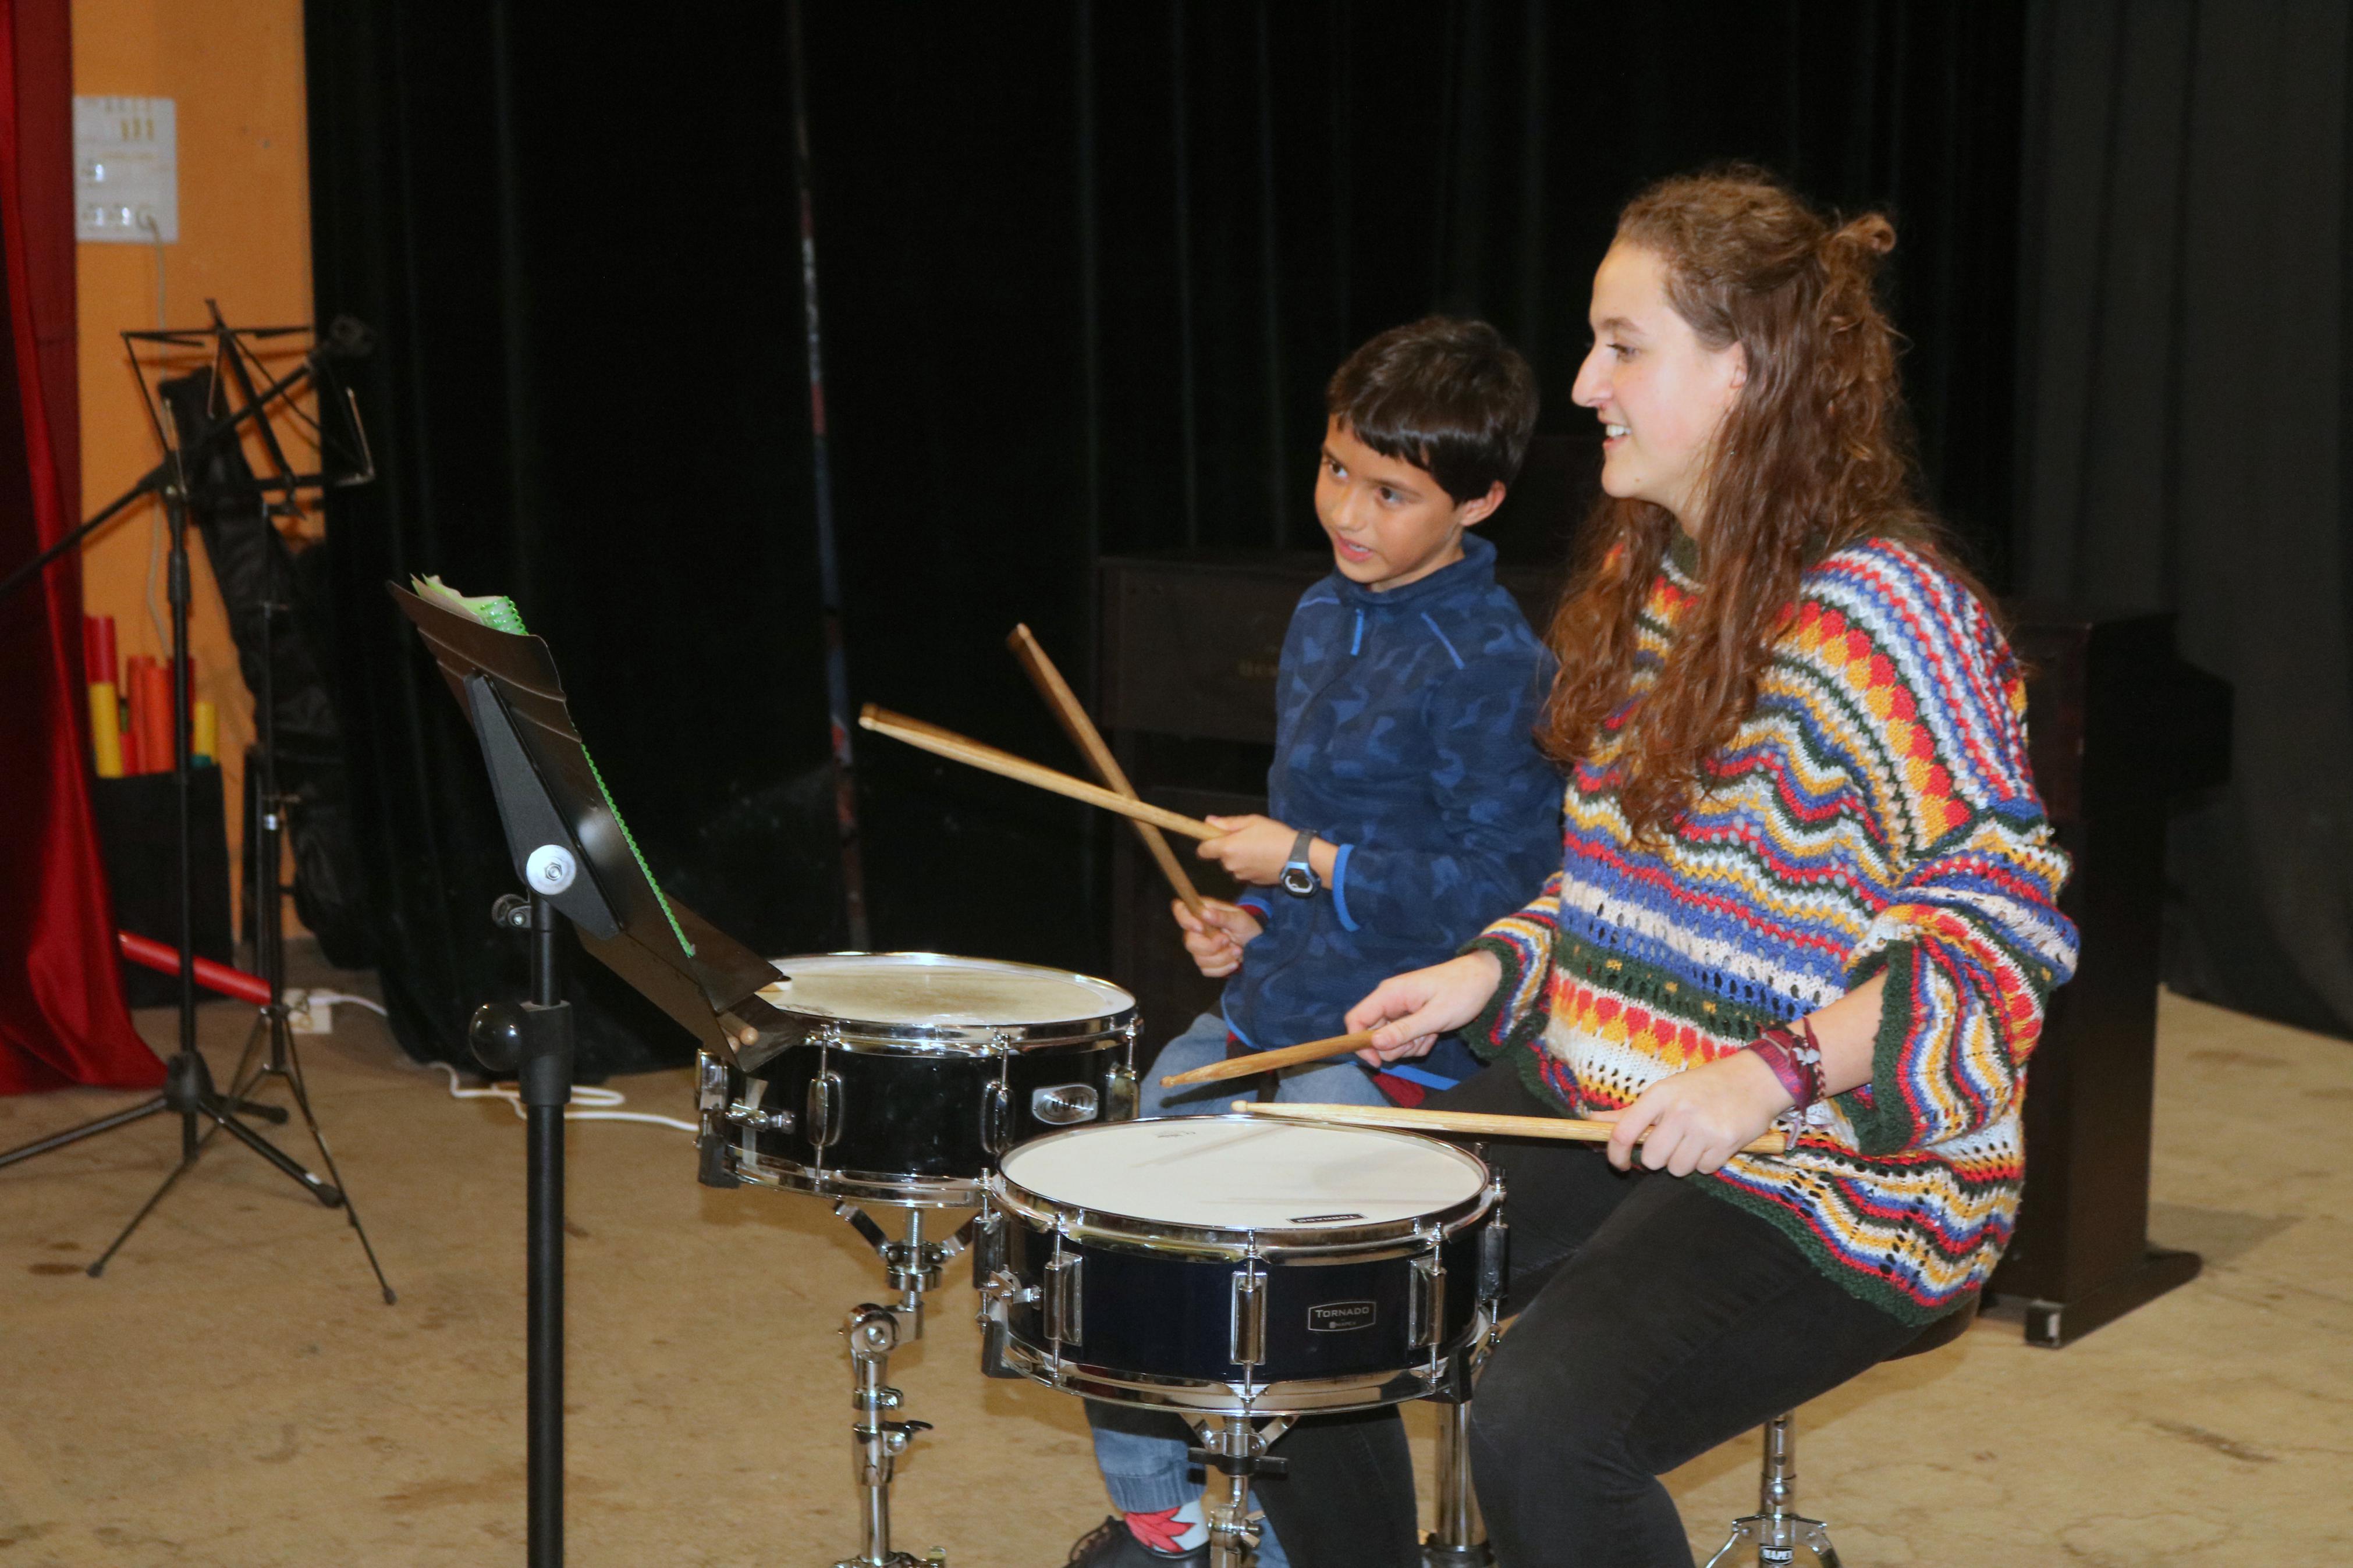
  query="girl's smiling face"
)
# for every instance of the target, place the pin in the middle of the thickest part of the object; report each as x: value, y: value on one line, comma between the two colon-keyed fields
x: 1662, y: 393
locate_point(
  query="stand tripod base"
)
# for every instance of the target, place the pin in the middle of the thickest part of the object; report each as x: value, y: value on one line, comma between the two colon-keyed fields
x: 1778, y: 1538
x: 188, y: 1093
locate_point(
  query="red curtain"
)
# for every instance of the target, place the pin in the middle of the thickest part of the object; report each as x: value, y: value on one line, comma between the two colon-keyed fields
x: 63, y: 1019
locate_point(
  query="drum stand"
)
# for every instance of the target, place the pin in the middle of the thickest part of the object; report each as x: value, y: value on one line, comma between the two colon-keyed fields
x: 1232, y: 1449
x: 1461, y: 1539
x: 911, y: 1268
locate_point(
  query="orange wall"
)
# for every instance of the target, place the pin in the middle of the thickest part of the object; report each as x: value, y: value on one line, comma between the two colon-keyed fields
x: 234, y: 69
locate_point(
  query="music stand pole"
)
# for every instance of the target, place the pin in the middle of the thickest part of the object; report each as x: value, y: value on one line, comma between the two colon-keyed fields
x: 267, y: 900
x: 534, y: 1041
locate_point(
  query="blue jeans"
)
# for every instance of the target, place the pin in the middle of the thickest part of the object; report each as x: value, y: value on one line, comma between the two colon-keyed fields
x: 1142, y: 1452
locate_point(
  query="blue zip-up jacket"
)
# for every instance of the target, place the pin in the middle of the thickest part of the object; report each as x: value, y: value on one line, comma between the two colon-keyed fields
x: 1404, y: 736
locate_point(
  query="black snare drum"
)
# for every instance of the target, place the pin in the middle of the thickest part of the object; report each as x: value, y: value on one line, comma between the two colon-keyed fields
x: 1232, y: 1266
x: 913, y: 1072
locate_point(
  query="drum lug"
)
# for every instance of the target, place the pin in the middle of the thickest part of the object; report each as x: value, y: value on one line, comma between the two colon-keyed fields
x: 1426, y: 1301
x: 824, y: 1125
x: 1000, y: 1292
x: 997, y: 1117
x: 1247, y: 1334
x: 1495, y: 1260
x: 1119, y: 1094
x: 711, y: 1080
x: 1065, y: 1319
x: 985, y: 1236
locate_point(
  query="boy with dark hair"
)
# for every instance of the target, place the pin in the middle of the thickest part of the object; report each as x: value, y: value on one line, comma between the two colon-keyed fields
x: 1407, y: 803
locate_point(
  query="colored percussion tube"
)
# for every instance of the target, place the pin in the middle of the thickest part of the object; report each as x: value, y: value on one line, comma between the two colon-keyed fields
x: 212, y: 976
x: 106, y: 730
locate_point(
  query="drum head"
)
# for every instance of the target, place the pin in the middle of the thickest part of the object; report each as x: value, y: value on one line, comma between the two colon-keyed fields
x: 931, y: 990
x: 1240, y: 1173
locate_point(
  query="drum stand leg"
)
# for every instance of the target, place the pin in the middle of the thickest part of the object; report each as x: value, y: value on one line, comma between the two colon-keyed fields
x: 912, y: 1267
x: 1461, y: 1539
x: 1231, y: 1451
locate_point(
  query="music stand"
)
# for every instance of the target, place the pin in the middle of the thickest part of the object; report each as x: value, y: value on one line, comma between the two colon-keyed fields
x: 570, y: 848
x: 188, y: 1091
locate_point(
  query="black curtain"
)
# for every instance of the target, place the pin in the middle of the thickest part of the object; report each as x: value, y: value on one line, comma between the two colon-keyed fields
x: 1084, y: 268
x: 2184, y: 325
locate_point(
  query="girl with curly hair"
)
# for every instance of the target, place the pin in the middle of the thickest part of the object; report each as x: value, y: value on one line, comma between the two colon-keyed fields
x: 1806, y: 882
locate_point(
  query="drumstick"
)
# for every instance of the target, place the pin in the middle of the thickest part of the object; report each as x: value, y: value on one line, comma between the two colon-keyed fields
x: 988, y: 758
x: 1272, y: 1061
x: 1088, y: 738
x: 1399, y: 1118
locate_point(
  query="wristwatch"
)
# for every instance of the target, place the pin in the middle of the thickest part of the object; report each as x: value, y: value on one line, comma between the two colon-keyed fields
x: 1298, y: 876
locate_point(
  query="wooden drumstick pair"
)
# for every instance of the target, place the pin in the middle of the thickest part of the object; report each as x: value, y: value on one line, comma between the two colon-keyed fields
x: 1398, y: 1118
x: 1114, y: 793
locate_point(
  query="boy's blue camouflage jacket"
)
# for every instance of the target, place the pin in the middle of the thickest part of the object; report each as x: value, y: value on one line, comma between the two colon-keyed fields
x: 1403, y: 736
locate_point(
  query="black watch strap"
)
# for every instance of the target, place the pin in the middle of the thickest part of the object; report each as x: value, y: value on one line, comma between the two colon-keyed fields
x: 1298, y: 874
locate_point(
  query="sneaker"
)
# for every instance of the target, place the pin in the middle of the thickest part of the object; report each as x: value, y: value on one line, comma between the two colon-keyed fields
x: 1112, y: 1544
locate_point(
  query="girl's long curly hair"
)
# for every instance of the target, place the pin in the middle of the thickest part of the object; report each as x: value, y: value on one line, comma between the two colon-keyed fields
x: 1815, y: 454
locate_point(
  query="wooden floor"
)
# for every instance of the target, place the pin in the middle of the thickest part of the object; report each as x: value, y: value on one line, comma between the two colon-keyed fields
x: 234, y: 1391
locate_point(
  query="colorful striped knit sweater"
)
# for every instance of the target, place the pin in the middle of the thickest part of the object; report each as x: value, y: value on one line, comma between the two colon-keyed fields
x: 1875, y: 810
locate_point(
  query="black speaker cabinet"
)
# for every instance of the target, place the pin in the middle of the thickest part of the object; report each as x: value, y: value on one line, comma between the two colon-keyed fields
x: 2118, y: 726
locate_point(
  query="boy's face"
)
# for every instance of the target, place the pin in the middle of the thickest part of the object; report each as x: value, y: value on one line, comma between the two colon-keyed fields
x: 1390, y: 522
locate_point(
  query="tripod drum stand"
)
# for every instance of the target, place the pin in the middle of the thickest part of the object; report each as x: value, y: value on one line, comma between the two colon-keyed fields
x: 901, y: 1080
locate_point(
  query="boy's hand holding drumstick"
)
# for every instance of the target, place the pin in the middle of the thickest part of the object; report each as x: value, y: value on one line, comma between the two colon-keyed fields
x: 1254, y: 850
x: 1217, y: 936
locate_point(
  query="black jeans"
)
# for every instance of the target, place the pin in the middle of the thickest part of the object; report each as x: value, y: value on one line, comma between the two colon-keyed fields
x: 1656, y: 1321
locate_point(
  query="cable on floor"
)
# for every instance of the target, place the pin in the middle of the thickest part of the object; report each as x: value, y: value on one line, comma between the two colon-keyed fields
x: 596, y: 1103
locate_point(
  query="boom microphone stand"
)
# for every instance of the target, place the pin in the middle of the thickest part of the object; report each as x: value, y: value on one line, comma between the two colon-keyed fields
x: 188, y: 1091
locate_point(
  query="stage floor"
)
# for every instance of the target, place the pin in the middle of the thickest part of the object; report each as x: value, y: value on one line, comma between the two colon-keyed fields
x: 234, y: 1391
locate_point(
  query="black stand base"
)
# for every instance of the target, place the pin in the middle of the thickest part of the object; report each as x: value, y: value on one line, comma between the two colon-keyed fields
x: 124, y: 1118
x: 188, y: 1093
x: 2052, y: 1324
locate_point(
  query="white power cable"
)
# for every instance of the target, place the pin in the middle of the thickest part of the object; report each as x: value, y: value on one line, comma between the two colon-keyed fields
x: 598, y: 1104
x: 334, y: 996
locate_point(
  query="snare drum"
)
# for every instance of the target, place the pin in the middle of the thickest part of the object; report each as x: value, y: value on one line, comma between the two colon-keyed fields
x: 1232, y: 1266
x: 909, y: 1074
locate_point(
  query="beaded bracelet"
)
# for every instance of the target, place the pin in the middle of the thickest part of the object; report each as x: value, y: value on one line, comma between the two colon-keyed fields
x: 1796, y: 1057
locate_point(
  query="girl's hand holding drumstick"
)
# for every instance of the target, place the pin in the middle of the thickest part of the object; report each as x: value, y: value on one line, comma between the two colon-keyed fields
x: 1407, y: 1012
